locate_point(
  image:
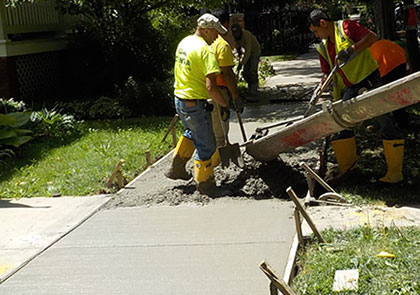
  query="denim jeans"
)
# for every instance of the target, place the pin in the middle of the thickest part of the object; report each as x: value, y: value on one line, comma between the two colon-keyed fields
x: 386, y: 122
x: 197, y: 127
x: 250, y: 73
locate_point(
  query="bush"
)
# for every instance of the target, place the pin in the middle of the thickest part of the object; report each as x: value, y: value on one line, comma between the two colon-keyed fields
x: 98, y: 109
x: 9, y: 106
x: 265, y: 69
x: 152, y: 98
x: 11, y: 133
x: 47, y: 123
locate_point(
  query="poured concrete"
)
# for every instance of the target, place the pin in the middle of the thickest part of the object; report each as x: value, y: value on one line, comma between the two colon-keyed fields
x: 30, y: 225
x: 188, y: 249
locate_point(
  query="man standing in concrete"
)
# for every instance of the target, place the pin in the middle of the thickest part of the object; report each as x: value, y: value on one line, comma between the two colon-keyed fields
x: 251, y: 58
x: 195, y: 72
x: 348, y: 42
x: 226, y: 81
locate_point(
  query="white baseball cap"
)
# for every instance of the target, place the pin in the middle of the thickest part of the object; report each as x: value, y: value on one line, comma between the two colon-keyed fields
x: 209, y: 21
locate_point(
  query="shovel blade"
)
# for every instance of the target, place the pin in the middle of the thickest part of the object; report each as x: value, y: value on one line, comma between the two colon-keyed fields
x: 236, y: 155
x: 231, y: 152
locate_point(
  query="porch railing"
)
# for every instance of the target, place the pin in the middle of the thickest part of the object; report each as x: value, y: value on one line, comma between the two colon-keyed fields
x: 36, y: 17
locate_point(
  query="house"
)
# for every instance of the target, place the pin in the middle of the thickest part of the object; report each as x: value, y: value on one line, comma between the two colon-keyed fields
x: 32, y: 35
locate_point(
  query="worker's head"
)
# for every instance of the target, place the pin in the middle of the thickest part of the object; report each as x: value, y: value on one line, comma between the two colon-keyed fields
x: 209, y: 27
x: 236, y: 31
x: 238, y: 18
x: 320, y: 24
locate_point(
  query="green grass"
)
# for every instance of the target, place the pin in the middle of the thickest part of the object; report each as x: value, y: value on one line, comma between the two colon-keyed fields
x: 80, y: 165
x: 357, y: 249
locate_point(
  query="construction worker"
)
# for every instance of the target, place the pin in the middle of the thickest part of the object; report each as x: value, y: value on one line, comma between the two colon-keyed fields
x: 196, y: 70
x: 251, y: 57
x: 348, y: 42
x: 226, y: 81
x: 392, y: 64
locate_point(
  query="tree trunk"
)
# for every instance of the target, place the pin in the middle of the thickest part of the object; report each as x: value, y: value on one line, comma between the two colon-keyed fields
x: 411, y: 35
x: 385, y: 21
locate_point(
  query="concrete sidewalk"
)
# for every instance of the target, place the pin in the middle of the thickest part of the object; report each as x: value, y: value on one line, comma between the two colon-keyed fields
x: 31, y: 225
x: 303, y: 70
x: 214, y: 249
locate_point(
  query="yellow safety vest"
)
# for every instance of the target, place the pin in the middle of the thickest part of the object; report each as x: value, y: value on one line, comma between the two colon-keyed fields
x: 356, y: 70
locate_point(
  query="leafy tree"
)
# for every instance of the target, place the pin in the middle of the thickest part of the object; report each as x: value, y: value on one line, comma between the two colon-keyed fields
x: 130, y: 37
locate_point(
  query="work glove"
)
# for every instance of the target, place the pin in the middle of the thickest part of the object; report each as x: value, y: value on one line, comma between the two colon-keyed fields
x: 224, y: 113
x: 238, y: 105
x: 345, y: 54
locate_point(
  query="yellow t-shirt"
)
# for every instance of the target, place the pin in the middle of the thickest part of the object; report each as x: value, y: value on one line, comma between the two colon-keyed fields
x: 224, y: 57
x: 194, y: 60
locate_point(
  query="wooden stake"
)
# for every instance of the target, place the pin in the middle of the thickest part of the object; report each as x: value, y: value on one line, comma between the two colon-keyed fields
x: 298, y: 223
x: 317, y: 177
x: 120, y: 180
x: 148, y: 161
x: 174, y: 140
x: 171, y: 126
x: 305, y: 214
x: 275, y: 280
x: 114, y: 173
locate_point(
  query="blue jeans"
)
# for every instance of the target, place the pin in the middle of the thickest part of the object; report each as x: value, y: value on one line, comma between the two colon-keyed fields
x: 388, y: 130
x: 197, y: 127
x: 250, y: 72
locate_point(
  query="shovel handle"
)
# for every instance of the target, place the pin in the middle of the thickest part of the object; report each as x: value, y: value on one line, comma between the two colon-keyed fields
x: 323, y: 86
x: 241, y: 125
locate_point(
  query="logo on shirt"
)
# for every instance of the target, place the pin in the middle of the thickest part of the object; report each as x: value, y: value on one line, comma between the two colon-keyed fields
x: 181, y: 59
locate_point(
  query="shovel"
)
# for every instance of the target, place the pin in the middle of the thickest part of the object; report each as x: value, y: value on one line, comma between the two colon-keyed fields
x: 321, y: 87
x: 241, y: 125
x: 229, y: 152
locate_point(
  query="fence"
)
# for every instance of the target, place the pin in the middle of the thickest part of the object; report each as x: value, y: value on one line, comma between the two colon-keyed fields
x: 280, y: 31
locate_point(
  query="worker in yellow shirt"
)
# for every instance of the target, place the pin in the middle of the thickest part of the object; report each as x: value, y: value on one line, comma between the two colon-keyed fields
x: 195, y: 72
x: 226, y: 81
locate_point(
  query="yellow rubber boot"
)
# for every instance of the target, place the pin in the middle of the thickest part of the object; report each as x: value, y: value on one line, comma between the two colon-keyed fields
x: 215, y: 159
x: 394, y: 154
x: 204, y: 177
x: 183, y: 152
x: 345, y: 153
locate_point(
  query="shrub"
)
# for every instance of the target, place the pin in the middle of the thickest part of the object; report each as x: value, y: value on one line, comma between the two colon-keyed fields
x: 11, y: 135
x: 97, y: 109
x: 51, y: 123
x: 151, y: 98
x: 265, y: 69
x: 9, y: 106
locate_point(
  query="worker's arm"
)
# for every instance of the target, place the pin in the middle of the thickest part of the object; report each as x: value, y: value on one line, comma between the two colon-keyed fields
x: 245, y: 42
x: 214, y: 91
x: 230, y: 79
x: 365, y: 42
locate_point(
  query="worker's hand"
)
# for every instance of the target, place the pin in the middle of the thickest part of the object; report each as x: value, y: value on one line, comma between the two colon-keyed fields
x: 238, y: 105
x: 224, y: 113
x: 345, y: 54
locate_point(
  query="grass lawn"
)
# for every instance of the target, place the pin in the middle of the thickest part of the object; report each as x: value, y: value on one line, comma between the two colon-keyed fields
x: 80, y: 165
x: 357, y: 249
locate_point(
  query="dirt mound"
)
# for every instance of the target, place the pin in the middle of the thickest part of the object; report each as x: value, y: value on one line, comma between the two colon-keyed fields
x: 257, y: 181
